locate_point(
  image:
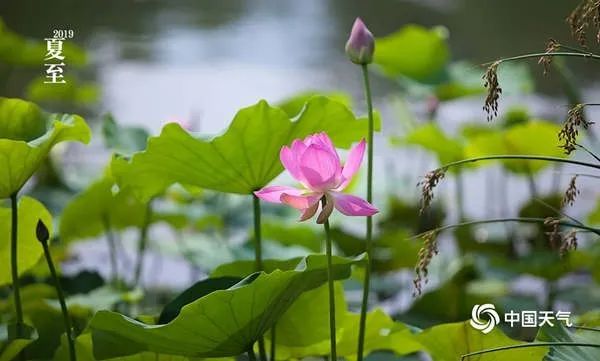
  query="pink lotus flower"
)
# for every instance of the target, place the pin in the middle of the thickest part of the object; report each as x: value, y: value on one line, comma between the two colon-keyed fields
x: 315, y: 163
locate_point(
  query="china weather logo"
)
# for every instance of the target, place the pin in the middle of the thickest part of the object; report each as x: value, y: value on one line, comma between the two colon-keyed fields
x: 484, y: 317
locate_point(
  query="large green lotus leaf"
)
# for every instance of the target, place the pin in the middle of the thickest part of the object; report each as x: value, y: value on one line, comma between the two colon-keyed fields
x: 448, y: 342
x: 84, y: 351
x: 382, y: 333
x: 246, y: 267
x: 414, y: 52
x: 536, y: 137
x: 294, y: 104
x: 26, y: 137
x: 303, y: 330
x: 243, y: 159
x: 29, y: 249
x: 86, y: 215
x: 223, y: 323
x: 191, y: 294
x: 559, y: 333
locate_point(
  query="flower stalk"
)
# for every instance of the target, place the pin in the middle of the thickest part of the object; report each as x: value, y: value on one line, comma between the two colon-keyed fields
x: 112, y: 251
x: 142, y: 245
x: 369, y: 230
x: 14, y: 265
x: 258, y: 260
x: 43, y: 237
x: 328, y: 250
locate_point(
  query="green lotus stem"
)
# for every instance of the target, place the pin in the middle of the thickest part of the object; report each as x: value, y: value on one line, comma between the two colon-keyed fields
x: 61, y: 300
x: 328, y: 248
x: 112, y: 250
x: 258, y: 259
x: 142, y: 245
x: 502, y: 220
x: 521, y: 157
x: 535, y: 344
x: 539, y: 55
x: 14, y: 265
x: 257, y: 234
x: 369, y: 235
x: 273, y: 334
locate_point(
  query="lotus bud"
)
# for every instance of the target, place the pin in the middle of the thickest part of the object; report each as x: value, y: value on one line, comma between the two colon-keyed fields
x: 41, y: 232
x: 361, y: 44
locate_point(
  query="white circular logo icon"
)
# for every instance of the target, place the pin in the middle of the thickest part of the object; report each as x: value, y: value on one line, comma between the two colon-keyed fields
x: 491, y: 318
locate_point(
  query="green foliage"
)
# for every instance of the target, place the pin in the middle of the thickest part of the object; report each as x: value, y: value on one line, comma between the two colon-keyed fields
x: 559, y: 333
x: 26, y: 138
x: 536, y: 137
x: 72, y: 91
x: 414, y: 52
x: 29, y: 248
x: 11, y: 346
x: 293, y: 105
x: 448, y: 342
x: 19, y: 51
x: 123, y: 140
x: 196, y: 291
x: 88, y: 214
x: 243, y: 159
x: 432, y: 138
x: 222, y: 323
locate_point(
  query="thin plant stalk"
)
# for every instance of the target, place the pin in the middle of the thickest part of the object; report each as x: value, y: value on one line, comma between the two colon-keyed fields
x: 14, y: 265
x: 328, y: 250
x: 506, y: 220
x: 539, y: 55
x: 61, y: 300
x: 142, y: 245
x: 521, y: 157
x: 369, y: 230
x: 112, y: 251
x: 528, y: 345
x: 258, y: 260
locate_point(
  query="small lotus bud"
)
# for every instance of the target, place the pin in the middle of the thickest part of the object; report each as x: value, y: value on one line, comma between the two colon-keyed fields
x: 41, y: 232
x: 361, y: 44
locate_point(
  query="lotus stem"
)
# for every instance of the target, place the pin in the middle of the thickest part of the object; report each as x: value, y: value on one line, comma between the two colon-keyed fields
x: 61, y: 300
x: 328, y: 250
x: 369, y: 231
x: 258, y: 259
x: 142, y: 245
x: 19, y: 329
x: 112, y: 251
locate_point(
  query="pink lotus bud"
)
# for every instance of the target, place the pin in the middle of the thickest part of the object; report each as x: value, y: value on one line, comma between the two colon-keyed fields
x: 361, y: 44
